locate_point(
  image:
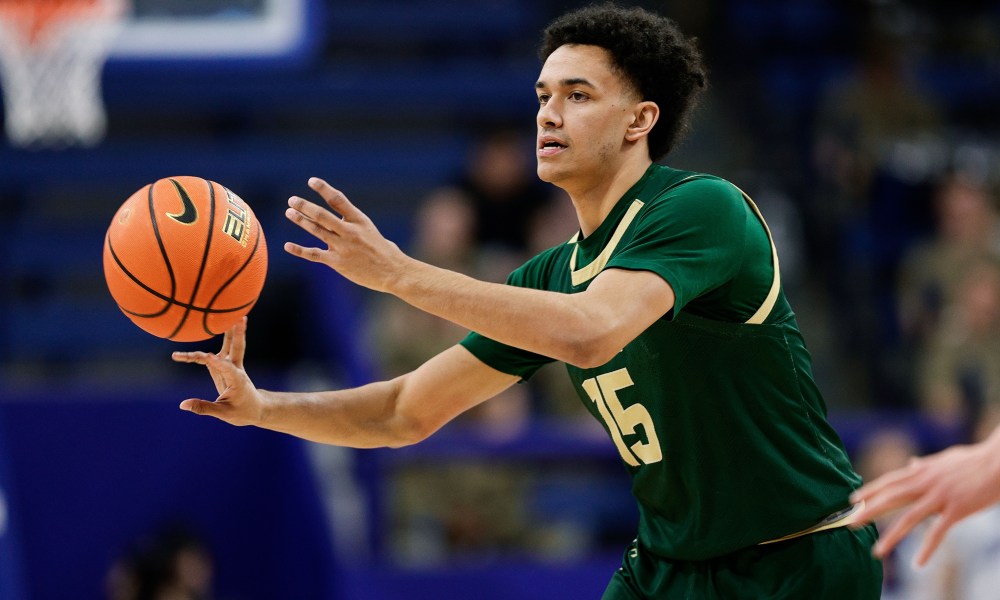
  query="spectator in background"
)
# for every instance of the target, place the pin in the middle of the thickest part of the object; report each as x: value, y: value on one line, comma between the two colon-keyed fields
x: 861, y: 118
x: 174, y: 564
x: 960, y: 376
x: 877, y: 132
x: 500, y: 184
x: 405, y: 337
x: 967, y: 229
x: 470, y: 508
x: 444, y: 235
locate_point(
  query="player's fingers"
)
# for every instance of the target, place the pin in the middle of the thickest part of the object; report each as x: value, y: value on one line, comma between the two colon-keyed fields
x: 200, y: 358
x: 238, y: 334
x: 887, y: 493
x: 209, y: 359
x: 933, y: 539
x: 222, y: 370
x: 310, y: 254
x: 227, y: 343
x: 203, y: 407
x: 880, y: 505
x: 892, y: 478
x: 313, y: 227
x: 317, y: 213
x: 903, y: 525
x: 337, y: 200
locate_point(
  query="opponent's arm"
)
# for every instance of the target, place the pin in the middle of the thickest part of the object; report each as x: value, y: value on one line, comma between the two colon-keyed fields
x: 392, y: 413
x: 950, y: 485
x: 584, y: 329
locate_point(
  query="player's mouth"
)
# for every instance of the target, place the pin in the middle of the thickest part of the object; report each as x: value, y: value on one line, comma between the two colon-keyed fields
x: 549, y: 146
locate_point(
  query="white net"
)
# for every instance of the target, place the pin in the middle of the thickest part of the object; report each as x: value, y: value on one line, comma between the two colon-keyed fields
x: 51, y: 56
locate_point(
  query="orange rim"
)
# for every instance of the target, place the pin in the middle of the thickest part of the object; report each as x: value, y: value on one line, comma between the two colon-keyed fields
x: 35, y: 16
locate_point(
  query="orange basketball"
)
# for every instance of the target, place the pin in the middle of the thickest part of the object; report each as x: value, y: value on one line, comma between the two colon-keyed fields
x: 185, y: 258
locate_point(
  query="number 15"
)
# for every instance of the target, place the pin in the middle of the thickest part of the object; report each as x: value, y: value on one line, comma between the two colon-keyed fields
x: 603, y: 390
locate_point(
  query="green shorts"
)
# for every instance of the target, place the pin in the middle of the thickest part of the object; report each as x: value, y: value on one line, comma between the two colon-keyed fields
x: 834, y: 564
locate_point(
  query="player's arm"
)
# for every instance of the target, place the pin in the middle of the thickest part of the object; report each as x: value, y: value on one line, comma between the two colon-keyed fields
x: 585, y: 329
x: 391, y: 413
x: 950, y: 485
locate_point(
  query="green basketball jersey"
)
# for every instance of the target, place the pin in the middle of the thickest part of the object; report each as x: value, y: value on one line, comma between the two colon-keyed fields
x: 713, y: 408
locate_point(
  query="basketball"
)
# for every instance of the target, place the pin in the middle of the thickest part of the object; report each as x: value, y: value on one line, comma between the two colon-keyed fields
x: 185, y: 258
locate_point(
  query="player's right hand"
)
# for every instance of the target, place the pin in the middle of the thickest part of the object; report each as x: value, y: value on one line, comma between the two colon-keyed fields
x: 239, y: 401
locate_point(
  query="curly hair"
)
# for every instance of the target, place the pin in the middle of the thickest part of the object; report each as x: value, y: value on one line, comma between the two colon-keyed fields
x: 649, y: 52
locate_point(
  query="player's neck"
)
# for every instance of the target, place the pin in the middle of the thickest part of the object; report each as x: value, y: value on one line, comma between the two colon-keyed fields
x: 594, y: 200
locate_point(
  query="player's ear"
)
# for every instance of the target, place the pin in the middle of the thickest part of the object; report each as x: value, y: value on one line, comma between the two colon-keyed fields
x: 644, y: 116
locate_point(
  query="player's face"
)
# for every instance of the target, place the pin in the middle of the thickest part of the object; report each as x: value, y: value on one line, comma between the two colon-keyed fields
x: 584, y: 111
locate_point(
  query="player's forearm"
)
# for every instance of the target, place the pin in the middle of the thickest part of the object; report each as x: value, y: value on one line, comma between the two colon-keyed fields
x: 363, y: 417
x: 549, y: 323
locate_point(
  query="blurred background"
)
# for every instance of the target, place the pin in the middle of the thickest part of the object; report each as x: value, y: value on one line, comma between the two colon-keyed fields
x: 866, y: 130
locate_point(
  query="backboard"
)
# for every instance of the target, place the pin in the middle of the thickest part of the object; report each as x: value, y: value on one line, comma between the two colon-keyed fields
x: 213, y: 30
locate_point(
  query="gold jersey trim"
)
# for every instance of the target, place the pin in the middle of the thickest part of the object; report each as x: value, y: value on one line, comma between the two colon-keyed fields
x: 590, y: 271
x: 838, y: 519
x: 772, y: 295
x: 587, y: 273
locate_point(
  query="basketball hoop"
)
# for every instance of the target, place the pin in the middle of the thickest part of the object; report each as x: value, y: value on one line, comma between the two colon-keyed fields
x: 51, y: 54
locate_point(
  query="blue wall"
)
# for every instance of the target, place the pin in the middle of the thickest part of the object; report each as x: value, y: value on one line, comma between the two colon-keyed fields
x: 93, y: 473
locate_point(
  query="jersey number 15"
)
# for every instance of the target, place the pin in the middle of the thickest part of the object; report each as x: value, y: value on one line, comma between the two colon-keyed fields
x: 603, y: 390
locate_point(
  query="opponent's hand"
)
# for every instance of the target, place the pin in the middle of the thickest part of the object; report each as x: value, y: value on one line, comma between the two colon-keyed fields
x: 951, y: 484
x: 354, y: 246
x: 239, y: 401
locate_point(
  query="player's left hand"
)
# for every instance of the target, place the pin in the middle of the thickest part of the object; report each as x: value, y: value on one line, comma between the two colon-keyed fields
x: 354, y: 246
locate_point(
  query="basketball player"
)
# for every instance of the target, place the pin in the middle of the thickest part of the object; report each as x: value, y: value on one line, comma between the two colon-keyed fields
x: 667, y: 309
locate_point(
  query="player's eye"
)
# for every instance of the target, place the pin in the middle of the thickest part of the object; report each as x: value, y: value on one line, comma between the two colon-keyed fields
x: 543, y: 98
x: 577, y: 96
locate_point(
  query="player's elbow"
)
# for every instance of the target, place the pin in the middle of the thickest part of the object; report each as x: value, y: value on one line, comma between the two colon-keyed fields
x: 591, y: 335
x: 591, y: 359
x: 408, y: 431
x: 591, y: 350
x: 406, y: 423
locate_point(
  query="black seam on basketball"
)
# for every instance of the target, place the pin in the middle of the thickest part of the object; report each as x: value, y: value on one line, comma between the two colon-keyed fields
x: 204, y: 258
x: 159, y: 242
x: 204, y: 319
x: 170, y: 301
x: 195, y: 309
x: 121, y: 266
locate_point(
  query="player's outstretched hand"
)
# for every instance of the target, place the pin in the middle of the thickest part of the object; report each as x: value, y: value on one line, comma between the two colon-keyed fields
x: 239, y: 401
x: 949, y: 485
x: 354, y: 246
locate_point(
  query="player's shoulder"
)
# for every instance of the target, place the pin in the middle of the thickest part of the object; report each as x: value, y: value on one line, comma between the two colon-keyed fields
x: 694, y: 192
x: 676, y: 183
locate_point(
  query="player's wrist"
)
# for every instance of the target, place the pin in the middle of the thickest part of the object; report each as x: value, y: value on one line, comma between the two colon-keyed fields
x: 265, y: 401
x: 403, y: 279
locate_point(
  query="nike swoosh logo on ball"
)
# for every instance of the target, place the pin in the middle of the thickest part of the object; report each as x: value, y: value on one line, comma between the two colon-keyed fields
x: 190, y: 214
